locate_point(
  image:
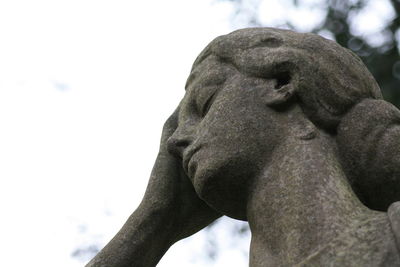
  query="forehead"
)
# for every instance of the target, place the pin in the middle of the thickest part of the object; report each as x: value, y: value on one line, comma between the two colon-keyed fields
x: 211, y: 66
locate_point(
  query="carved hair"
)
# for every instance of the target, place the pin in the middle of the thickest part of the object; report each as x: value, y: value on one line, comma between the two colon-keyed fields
x: 368, y: 141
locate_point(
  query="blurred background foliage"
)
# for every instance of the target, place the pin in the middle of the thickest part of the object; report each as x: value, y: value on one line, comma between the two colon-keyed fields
x: 342, y: 21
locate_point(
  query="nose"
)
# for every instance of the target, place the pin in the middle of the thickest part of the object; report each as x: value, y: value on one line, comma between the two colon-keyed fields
x: 177, y: 143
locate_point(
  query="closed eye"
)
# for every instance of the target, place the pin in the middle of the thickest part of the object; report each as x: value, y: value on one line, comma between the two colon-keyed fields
x: 207, y: 105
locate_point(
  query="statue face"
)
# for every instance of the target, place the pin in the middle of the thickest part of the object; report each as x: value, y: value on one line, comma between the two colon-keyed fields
x: 226, y: 133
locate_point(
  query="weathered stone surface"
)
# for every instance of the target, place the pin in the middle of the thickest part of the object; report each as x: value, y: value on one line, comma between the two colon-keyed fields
x: 287, y: 131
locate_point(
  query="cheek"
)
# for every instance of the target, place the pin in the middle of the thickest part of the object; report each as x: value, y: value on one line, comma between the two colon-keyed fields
x: 236, y: 139
x: 231, y: 157
x: 241, y: 127
x: 238, y: 129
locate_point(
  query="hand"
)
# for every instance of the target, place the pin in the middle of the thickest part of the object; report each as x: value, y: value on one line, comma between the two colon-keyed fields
x: 170, y: 210
x: 172, y: 193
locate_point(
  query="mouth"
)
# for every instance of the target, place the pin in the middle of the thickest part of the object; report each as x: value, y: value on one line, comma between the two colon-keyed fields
x: 187, y: 156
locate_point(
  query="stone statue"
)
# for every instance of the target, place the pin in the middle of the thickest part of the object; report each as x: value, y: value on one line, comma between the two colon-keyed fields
x: 287, y: 131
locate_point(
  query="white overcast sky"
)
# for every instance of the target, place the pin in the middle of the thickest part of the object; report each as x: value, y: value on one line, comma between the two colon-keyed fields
x: 85, y: 87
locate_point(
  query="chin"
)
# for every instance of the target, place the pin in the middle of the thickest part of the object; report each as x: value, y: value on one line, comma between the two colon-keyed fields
x: 223, y: 186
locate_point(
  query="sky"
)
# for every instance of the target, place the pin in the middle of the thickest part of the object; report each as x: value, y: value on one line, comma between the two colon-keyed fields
x: 85, y: 87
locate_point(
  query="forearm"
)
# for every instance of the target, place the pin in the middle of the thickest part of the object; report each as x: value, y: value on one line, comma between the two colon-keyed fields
x: 142, y: 241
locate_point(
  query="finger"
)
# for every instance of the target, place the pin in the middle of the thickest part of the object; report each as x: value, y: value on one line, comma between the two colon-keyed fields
x: 171, y: 124
x: 173, y: 119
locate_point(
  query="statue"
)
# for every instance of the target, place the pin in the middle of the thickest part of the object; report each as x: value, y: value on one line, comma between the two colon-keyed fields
x: 287, y: 131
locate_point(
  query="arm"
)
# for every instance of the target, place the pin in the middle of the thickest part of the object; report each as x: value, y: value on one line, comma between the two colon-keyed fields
x: 170, y: 210
x: 142, y: 241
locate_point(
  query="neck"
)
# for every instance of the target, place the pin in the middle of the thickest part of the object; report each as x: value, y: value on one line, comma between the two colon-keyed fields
x: 300, y: 202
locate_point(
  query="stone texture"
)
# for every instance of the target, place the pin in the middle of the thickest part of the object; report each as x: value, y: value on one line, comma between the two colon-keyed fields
x: 287, y: 131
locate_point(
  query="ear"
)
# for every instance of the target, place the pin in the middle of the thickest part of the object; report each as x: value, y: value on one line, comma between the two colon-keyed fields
x: 283, y: 91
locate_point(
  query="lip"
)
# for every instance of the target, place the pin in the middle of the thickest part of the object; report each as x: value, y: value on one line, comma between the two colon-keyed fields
x: 187, y: 156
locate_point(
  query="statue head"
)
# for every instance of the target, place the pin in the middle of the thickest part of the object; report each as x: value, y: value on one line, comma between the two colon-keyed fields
x: 327, y: 78
x: 238, y: 94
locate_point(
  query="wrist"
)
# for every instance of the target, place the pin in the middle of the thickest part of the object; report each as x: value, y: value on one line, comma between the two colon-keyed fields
x: 142, y: 240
